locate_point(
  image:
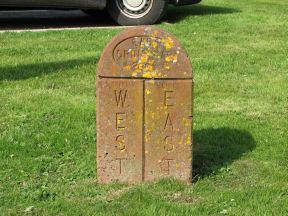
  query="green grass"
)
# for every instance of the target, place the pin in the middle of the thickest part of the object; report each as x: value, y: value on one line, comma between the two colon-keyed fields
x: 239, y: 51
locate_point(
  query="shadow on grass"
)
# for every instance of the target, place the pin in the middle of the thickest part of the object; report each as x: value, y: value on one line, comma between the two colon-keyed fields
x: 21, y: 72
x: 217, y: 148
x: 176, y: 14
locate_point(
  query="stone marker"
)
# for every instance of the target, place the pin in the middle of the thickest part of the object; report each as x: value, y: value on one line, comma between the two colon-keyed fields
x: 144, y: 108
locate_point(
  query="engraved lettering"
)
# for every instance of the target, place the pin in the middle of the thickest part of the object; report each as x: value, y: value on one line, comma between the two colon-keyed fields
x: 120, y: 97
x: 121, y: 164
x: 168, y: 143
x: 120, y: 139
x: 133, y: 54
x: 168, y: 122
x: 165, y: 165
x: 126, y: 53
x: 141, y: 46
x: 168, y: 98
x: 119, y: 54
x: 136, y: 41
x: 119, y: 121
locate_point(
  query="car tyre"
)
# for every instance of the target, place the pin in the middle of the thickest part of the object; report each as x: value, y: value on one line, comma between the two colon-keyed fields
x: 137, y: 12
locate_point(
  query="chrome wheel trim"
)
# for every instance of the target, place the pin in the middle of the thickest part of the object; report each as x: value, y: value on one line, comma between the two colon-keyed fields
x: 134, y: 8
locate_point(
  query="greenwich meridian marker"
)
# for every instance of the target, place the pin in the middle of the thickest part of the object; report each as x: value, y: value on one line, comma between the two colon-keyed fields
x: 144, y: 108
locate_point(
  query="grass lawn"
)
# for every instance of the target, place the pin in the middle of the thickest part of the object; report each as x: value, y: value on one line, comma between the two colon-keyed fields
x: 239, y: 51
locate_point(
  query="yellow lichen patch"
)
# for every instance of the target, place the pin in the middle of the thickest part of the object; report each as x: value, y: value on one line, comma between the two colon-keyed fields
x: 150, y: 74
x: 127, y: 67
x: 148, y: 67
x: 168, y: 43
x: 172, y: 58
x: 139, y: 68
x: 144, y: 58
x: 186, y: 122
x: 148, y: 92
x: 151, y: 62
x: 188, y: 141
x: 152, y: 82
x: 137, y: 71
x: 154, y: 44
x: 181, y: 140
x: 147, y: 75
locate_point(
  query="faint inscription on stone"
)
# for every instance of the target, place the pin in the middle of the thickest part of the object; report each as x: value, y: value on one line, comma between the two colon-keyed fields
x: 144, y: 108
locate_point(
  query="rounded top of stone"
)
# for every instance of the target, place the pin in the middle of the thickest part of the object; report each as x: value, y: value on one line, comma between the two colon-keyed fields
x: 146, y: 53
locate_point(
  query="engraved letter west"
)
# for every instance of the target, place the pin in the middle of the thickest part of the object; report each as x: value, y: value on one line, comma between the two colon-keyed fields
x: 120, y: 97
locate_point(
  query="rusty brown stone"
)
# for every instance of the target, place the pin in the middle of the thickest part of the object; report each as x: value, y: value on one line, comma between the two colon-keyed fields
x: 168, y: 122
x: 120, y: 133
x: 144, y: 108
x: 145, y: 52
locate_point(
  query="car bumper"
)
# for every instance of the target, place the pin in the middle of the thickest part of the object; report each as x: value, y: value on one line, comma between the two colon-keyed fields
x: 184, y: 2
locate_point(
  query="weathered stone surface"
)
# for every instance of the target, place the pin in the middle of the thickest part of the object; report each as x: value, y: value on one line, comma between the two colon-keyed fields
x: 145, y: 52
x: 144, y: 108
x: 168, y: 123
x: 119, y: 130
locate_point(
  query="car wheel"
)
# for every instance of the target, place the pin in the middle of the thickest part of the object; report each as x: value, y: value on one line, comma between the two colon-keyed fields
x: 137, y: 12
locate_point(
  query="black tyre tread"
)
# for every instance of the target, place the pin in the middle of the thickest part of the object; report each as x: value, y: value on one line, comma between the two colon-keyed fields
x: 157, y: 11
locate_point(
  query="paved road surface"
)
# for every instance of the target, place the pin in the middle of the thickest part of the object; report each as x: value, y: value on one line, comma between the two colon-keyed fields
x: 52, y: 19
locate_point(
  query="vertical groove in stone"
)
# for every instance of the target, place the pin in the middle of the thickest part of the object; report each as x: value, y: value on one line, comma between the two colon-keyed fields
x: 143, y: 134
